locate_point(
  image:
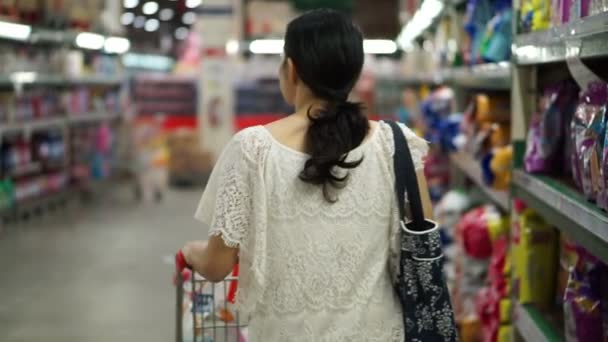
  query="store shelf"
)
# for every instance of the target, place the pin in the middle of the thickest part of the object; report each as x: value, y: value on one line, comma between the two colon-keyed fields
x: 585, y: 38
x: 493, y: 76
x: 533, y: 327
x: 92, y: 118
x: 30, y: 126
x: 470, y: 167
x: 32, y: 78
x: 42, y: 124
x: 565, y: 208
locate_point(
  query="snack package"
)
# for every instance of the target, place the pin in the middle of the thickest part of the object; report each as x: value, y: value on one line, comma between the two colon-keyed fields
x: 582, y: 300
x: 586, y: 128
x: 500, y: 166
x: 473, y: 231
x: 534, y: 251
x: 505, y: 333
x: 602, y: 196
x: 544, y: 150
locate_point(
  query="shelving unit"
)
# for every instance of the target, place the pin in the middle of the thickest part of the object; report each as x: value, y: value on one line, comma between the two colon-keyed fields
x: 493, y: 76
x: 583, y: 38
x: 34, y: 78
x: 566, y: 209
x: 42, y: 124
x: 470, y: 167
x: 559, y: 203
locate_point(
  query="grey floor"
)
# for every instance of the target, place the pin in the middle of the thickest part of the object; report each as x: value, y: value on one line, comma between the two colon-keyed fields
x: 95, y: 273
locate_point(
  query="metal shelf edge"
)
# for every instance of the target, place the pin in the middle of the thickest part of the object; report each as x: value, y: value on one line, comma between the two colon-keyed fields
x: 550, y: 45
x: 567, y: 211
x: 470, y: 167
x: 532, y: 326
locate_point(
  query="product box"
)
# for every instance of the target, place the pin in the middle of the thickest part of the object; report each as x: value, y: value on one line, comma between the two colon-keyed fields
x: 187, y: 160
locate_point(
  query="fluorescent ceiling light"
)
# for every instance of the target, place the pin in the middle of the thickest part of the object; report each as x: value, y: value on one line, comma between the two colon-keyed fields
x: 379, y: 46
x: 193, y: 3
x: 152, y: 25
x: 275, y: 46
x: 150, y: 8
x: 181, y: 33
x: 143, y: 61
x: 116, y: 45
x: 130, y: 3
x: 232, y: 47
x: 189, y: 18
x: 423, y: 18
x: 23, y: 77
x: 88, y: 40
x: 15, y: 31
x: 139, y: 21
x: 127, y: 18
x: 166, y: 14
x: 267, y: 46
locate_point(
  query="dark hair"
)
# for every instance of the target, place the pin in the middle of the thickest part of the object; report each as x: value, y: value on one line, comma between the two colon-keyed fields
x: 326, y: 49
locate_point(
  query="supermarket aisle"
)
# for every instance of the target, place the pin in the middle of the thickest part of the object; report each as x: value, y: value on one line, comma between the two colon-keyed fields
x: 99, y: 275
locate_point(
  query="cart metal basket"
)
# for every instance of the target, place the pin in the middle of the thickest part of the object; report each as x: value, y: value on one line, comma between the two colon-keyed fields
x: 205, y: 310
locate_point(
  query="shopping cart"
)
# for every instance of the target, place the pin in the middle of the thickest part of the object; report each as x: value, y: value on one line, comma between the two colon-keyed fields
x: 205, y: 311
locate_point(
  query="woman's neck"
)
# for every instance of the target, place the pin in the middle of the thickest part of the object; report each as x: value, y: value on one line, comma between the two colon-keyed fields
x: 303, y: 105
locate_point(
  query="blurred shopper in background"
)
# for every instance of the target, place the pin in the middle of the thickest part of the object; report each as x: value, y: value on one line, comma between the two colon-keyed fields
x: 306, y: 204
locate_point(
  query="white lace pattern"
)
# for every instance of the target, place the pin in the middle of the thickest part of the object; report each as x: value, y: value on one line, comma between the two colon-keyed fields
x: 310, y: 270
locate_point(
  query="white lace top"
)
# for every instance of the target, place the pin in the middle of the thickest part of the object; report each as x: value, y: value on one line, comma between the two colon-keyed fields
x: 309, y: 270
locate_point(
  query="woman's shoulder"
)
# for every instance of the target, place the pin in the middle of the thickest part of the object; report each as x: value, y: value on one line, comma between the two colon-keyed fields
x: 418, y: 146
x: 252, y: 143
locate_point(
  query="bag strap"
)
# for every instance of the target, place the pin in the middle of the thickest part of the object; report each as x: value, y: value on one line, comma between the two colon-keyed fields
x: 405, y: 178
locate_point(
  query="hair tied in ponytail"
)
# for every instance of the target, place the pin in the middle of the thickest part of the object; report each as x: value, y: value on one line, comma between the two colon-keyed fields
x: 327, y: 50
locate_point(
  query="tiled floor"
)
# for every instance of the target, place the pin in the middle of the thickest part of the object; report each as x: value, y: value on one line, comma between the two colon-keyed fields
x: 102, y: 273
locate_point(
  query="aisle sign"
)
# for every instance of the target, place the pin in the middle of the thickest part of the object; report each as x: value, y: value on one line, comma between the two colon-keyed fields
x: 219, y: 23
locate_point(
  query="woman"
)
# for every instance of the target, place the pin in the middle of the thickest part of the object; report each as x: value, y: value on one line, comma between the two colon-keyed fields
x: 306, y: 205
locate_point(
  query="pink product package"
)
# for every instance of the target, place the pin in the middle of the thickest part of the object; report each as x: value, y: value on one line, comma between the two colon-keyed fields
x: 587, y: 129
x: 583, y: 306
x: 602, y: 198
x: 548, y: 130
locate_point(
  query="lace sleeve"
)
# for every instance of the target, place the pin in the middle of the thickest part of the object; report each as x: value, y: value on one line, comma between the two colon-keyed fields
x: 226, y: 204
x: 418, y: 147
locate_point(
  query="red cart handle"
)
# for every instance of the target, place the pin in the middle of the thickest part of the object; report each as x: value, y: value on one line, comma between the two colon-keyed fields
x: 182, y: 268
x: 180, y: 262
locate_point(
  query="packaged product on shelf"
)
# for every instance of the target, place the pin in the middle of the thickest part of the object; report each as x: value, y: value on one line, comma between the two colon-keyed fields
x: 535, y: 254
x: 583, y: 314
x: 580, y: 9
x: 598, y: 6
x: 492, y: 108
x: 586, y: 128
x: 496, y: 45
x: 6, y: 194
x: 478, y: 14
x: 547, y: 134
x: 567, y: 259
x: 535, y: 15
x: 603, y: 196
x: 500, y: 167
x: 478, y: 228
x: 505, y: 333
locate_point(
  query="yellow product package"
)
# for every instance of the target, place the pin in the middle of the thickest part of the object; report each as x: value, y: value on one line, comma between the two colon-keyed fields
x: 504, y: 310
x: 505, y: 333
x: 535, y: 255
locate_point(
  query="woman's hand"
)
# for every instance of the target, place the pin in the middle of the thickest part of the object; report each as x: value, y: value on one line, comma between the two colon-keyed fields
x: 212, y: 259
x: 190, y: 250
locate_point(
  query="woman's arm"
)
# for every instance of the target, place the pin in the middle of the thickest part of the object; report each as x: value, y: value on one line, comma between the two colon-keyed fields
x: 427, y: 205
x: 212, y: 259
